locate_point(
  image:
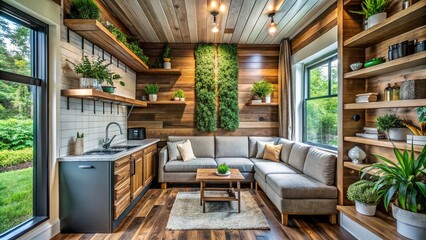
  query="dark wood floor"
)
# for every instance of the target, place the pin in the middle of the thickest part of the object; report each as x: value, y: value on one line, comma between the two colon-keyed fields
x: 149, y: 218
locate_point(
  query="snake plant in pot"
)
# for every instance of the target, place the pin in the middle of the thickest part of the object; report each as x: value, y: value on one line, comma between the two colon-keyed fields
x: 403, y: 184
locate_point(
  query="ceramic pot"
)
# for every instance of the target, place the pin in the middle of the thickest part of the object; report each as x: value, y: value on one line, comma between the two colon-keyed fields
x: 79, y: 146
x: 176, y: 99
x: 416, y: 140
x: 182, y: 99
x: 167, y: 59
x: 357, y: 155
x: 268, y: 98
x: 167, y: 65
x: 376, y: 19
x: 256, y: 101
x: 152, y: 97
x: 89, y: 83
x: 364, y: 209
x: 409, y: 224
x: 398, y: 134
x: 108, y: 89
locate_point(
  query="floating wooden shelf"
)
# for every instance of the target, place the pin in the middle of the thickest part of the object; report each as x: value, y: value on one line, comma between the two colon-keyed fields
x: 401, y: 22
x: 352, y: 2
x: 261, y: 104
x: 97, y: 95
x: 409, y: 61
x: 386, y: 104
x: 166, y: 102
x: 381, y: 224
x: 160, y: 71
x: 96, y: 33
x: 383, y: 143
x: 359, y: 166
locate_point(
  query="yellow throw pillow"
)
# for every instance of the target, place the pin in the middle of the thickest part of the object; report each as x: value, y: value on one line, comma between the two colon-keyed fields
x: 272, y: 152
x: 185, y: 150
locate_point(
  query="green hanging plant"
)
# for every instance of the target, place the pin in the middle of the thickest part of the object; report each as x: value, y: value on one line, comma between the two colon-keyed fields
x: 205, y: 88
x: 228, y: 86
x: 83, y: 9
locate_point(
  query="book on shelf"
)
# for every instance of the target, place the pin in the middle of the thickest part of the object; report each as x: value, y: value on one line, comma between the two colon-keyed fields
x: 366, y: 97
x: 371, y: 130
x: 376, y: 136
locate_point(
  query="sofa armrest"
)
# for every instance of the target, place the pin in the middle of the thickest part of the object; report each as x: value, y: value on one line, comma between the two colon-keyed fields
x: 163, y: 156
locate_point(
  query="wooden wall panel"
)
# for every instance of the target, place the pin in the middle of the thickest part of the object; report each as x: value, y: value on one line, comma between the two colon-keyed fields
x: 255, y: 62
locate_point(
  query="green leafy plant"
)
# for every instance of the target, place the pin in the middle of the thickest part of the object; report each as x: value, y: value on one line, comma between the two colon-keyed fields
x: 16, y: 134
x: 262, y: 88
x: 227, y: 55
x: 14, y: 157
x: 116, y: 32
x: 83, y: 9
x: 80, y: 135
x: 205, y: 88
x: 98, y: 69
x: 403, y: 182
x: 167, y: 51
x: 363, y: 192
x: 152, y: 88
x: 134, y: 47
x: 222, y: 168
x: 421, y: 115
x: 156, y: 63
x: 179, y: 94
x: 387, y: 121
x: 372, y: 7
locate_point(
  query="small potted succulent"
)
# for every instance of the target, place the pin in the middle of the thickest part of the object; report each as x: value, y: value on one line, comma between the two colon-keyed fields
x: 167, y: 57
x: 374, y: 11
x: 393, y: 126
x: 364, y: 196
x: 419, y: 137
x: 179, y: 95
x: 262, y: 89
x: 152, y: 91
x: 223, y: 170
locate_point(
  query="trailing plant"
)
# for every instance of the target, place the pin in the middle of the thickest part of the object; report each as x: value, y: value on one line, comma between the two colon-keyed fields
x: 14, y: 157
x: 262, y: 88
x: 134, y: 47
x: 167, y: 51
x: 402, y: 182
x: 363, y: 192
x: 119, y: 35
x: 16, y: 134
x: 152, y: 88
x: 222, y: 168
x: 372, y: 7
x: 387, y: 121
x: 179, y: 94
x: 421, y: 115
x: 205, y: 88
x: 83, y: 9
x: 228, y: 86
x: 98, y: 69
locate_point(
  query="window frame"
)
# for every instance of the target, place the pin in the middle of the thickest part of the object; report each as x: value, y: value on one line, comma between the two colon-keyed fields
x: 39, y: 81
x: 328, y: 58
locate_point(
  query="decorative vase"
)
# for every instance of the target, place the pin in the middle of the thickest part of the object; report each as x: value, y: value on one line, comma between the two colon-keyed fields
x: 416, y: 140
x: 152, y: 97
x: 268, y: 98
x: 167, y: 64
x: 357, y: 155
x: 364, y: 209
x: 398, y: 134
x: 79, y: 146
x: 409, y: 224
x: 376, y: 19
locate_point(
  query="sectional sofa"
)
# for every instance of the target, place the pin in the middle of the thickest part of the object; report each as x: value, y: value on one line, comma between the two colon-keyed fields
x: 301, y: 183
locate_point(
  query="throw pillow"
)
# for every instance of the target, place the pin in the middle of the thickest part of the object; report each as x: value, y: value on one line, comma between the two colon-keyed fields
x: 173, y: 150
x: 272, y: 152
x: 261, y: 148
x: 185, y: 150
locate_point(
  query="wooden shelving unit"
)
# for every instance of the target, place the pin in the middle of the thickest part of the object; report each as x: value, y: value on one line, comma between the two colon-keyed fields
x: 359, y: 167
x: 383, y: 143
x: 160, y: 71
x: 401, y: 22
x: 162, y: 102
x: 97, y: 95
x: 387, y: 104
x: 261, y: 104
x: 409, y: 61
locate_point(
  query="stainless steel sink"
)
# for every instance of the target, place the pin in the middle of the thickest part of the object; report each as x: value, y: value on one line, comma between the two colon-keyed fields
x: 104, y: 152
x: 125, y: 147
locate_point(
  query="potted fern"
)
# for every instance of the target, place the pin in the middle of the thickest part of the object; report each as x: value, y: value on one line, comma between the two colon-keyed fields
x: 404, y: 184
x: 419, y: 137
x: 364, y: 196
x: 152, y: 91
x: 374, y: 11
x: 262, y: 89
x: 393, y: 126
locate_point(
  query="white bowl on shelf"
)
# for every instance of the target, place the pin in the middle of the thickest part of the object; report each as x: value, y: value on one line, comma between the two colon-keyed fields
x: 356, y: 66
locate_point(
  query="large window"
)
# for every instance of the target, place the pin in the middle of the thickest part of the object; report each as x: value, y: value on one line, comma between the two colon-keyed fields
x: 320, y: 104
x: 23, y: 122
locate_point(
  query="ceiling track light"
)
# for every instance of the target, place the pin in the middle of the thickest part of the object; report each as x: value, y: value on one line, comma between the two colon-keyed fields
x: 215, y: 27
x: 272, y: 29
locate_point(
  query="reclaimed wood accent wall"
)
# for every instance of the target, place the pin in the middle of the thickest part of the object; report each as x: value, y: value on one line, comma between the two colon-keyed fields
x: 255, y: 62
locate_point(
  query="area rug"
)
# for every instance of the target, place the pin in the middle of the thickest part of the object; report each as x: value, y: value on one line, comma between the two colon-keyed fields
x: 187, y: 214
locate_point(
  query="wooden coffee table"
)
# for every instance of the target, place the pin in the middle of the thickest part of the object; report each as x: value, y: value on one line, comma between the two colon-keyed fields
x: 209, y: 175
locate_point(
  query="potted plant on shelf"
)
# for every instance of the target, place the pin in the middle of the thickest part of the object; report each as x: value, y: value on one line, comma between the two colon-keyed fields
x: 152, y: 91
x: 403, y: 183
x: 393, y: 126
x: 364, y: 196
x: 79, y: 144
x: 262, y: 89
x: 419, y: 137
x: 110, y: 88
x: 179, y: 95
x: 167, y: 57
x: 374, y: 11
x: 83, y: 9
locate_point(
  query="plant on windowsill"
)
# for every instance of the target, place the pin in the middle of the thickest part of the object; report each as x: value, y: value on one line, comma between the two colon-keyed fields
x: 403, y: 184
x: 167, y: 56
x: 223, y: 170
x: 374, y: 11
x: 393, y: 126
x: 179, y: 95
x: 419, y: 137
x: 365, y: 198
x: 262, y: 89
x: 152, y: 91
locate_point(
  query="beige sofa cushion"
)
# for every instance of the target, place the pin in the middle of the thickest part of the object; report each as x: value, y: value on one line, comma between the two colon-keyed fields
x: 321, y: 166
x: 272, y: 152
x: 261, y: 148
x: 231, y: 146
x: 190, y: 166
x: 298, y: 155
x: 253, y: 141
x: 286, y: 149
x: 203, y: 146
x: 185, y: 150
x: 265, y: 168
x: 242, y: 164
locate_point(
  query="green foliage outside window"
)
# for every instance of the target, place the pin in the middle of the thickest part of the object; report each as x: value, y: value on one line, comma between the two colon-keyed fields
x: 83, y: 9
x: 13, y: 157
x: 228, y: 86
x: 205, y: 88
x: 16, y: 134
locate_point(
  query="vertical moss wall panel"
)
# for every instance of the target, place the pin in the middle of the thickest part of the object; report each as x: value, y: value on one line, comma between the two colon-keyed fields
x: 228, y: 86
x: 205, y: 88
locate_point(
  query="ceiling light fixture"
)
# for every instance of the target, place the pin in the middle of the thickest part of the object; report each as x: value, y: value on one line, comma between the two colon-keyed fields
x: 272, y: 29
x: 215, y: 26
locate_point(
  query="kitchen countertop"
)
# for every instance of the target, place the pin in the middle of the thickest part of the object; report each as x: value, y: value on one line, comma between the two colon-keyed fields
x: 108, y: 158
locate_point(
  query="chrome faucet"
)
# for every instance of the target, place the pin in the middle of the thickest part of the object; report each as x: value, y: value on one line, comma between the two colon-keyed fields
x: 107, y: 142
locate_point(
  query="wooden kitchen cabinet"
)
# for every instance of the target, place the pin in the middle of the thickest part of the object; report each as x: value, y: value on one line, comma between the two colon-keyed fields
x: 149, y: 156
x: 137, y: 173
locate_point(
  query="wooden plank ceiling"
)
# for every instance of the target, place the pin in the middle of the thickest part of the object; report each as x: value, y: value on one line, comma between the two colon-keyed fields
x: 189, y: 21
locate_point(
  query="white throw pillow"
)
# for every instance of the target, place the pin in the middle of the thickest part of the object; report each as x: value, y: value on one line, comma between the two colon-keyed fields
x: 185, y: 150
x: 261, y: 148
x: 173, y: 150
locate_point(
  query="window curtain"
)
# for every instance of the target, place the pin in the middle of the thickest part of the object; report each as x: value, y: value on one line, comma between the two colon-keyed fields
x: 285, y: 93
